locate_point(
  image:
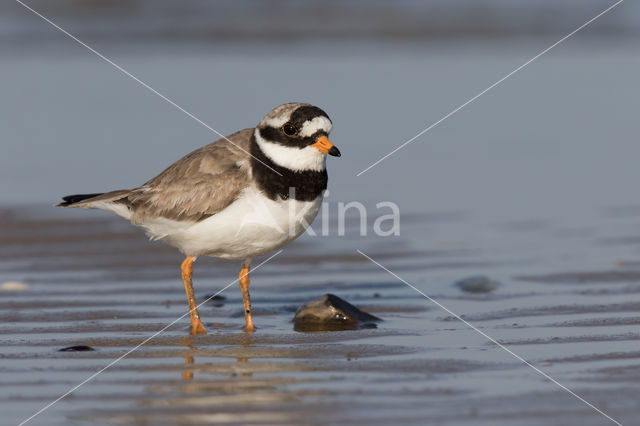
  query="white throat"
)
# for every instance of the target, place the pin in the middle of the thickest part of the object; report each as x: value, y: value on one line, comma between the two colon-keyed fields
x: 292, y: 158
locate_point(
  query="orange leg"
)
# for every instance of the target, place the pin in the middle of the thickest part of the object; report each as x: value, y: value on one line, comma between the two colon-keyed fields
x: 187, y: 271
x: 246, y: 300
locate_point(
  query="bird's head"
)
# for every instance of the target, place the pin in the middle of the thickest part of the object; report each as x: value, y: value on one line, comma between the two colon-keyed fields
x: 295, y: 136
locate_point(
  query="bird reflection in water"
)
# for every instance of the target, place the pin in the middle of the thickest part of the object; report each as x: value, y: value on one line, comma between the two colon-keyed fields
x: 187, y: 371
x: 189, y: 360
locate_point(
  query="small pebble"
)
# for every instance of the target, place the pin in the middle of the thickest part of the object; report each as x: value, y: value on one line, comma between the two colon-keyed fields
x: 14, y: 286
x: 217, y: 300
x: 477, y: 284
x: 77, y: 348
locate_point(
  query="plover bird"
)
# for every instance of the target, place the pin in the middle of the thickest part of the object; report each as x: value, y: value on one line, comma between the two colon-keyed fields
x: 242, y: 196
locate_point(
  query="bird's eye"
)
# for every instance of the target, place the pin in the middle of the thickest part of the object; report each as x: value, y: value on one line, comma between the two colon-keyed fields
x: 289, y: 129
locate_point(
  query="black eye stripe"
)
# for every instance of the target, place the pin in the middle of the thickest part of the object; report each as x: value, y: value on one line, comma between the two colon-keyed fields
x: 276, y: 135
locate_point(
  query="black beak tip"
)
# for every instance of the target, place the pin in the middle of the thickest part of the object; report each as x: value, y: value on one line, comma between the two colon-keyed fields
x: 334, y: 152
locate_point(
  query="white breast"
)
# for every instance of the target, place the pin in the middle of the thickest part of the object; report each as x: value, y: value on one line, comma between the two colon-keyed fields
x: 253, y: 225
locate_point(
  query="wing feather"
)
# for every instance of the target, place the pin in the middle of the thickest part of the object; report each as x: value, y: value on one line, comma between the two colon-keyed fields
x: 198, y: 185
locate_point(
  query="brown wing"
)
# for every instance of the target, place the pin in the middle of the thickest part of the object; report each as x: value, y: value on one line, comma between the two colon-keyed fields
x: 198, y: 185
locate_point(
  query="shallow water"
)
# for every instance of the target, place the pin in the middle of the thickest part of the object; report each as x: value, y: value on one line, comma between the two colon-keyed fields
x: 92, y: 280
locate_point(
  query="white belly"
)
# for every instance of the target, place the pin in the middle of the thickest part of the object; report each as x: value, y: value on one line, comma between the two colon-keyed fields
x: 251, y: 226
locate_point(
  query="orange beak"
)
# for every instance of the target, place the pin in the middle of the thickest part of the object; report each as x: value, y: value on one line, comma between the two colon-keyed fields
x: 324, y: 145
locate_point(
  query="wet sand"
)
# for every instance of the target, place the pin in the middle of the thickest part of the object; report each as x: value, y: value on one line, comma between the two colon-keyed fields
x: 94, y: 280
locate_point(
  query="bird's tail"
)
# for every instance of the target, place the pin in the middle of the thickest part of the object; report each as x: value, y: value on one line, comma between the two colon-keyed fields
x: 70, y: 200
x: 114, y: 201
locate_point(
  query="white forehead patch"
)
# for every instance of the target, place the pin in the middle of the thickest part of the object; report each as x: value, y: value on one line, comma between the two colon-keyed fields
x: 291, y: 157
x: 310, y: 127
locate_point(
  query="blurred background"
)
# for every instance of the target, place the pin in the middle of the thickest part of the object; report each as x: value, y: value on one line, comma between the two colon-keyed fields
x: 287, y: 21
x: 558, y: 137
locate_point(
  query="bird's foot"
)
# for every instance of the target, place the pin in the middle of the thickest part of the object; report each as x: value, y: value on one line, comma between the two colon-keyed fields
x: 197, y: 327
x: 249, y: 327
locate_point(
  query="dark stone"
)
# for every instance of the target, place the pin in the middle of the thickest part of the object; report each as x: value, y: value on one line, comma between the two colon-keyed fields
x: 217, y: 300
x: 477, y: 284
x: 330, y: 313
x: 77, y: 348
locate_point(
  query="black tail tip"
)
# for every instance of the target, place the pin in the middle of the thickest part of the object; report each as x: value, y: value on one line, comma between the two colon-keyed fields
x: 72, y: 199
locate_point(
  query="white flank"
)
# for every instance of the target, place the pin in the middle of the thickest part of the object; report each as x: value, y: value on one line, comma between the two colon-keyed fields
x: 292, y: 158
x: 251, y: 226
